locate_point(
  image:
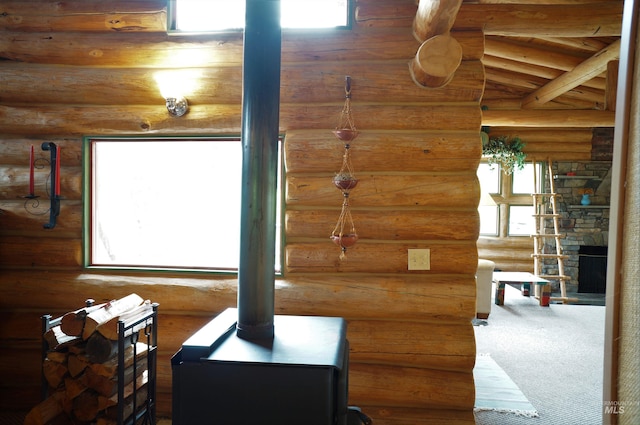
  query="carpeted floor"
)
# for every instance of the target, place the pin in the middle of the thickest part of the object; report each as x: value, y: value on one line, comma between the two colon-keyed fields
x: 553, y: 354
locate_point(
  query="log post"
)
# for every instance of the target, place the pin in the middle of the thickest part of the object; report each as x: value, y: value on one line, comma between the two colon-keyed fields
x: 435, y: 17
x: 440, y: 55
x: 436, y: 61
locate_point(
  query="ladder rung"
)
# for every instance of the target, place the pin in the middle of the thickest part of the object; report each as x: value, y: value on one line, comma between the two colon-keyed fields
x: 554, y: 276
x: 550, y: 256
x: 549, y: 235
x: 546, y: 194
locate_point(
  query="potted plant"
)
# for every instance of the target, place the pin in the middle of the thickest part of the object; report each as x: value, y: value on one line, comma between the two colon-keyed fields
x: 505, y: 151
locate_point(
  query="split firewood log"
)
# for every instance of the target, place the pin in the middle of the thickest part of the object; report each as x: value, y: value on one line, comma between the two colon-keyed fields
x: 73, y: 387
x: 88, y: 404
x: 77, y: 363
x: 54, y: 372
x: 110, y: 415
x: 110, y: 367
x: 72, y: 323
x: 45, y: 412
x: 109, y: 329
x: 100, y: 349
x: 110, y: 310
x: 57, y: 339
x: 108, y: 386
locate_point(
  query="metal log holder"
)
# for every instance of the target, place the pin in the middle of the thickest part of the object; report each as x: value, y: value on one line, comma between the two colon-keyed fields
x: 142, y: 330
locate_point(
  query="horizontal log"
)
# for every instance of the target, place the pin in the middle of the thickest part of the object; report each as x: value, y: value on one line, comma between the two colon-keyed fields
x: 517, y: 20
x: 495, y: 97
x: 412, y: 151
x: 159, y: 50
x: 543, y: 20
x: 35, y: 16
x: 17, y: 221
x: 394, y: 415
x: 373, y: 190
x: 18, y: 178
x: 542, y: 118
x: 225, y: 119
x: 445, y: 347
x: 307, y: 83
x: 16, y: 151
x: 24, y: 252
x: 410, y: 387
x: 561, y: 156
x: 323, y: 257
x: 546, y: 135
x: 387, y: 225
x: 384, y: 341
x: 362, y: 296
x: 551, y: 148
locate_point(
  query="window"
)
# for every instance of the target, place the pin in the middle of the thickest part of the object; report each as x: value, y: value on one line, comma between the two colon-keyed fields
x: 218, y: 15
x: 506, y: 206
x: 160, y: 203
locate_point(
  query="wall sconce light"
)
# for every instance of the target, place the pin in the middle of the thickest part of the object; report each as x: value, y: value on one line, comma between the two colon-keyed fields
x: 177, y: 106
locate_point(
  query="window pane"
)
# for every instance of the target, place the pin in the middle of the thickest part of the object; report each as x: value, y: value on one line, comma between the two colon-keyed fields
x: 523, y: 180
x: 216, y: 15
x: 489, y: 177
x: 521, y: 220
x: 166, y: 203
x: 488, y: 220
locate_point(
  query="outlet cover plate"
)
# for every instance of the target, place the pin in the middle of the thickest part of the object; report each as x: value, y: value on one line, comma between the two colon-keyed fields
x: 419, y: 259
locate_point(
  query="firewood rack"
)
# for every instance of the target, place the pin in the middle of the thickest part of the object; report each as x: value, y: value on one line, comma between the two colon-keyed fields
x: 141, y: 330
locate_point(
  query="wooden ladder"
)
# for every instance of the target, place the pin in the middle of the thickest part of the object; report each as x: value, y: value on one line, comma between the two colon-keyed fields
x: 545, y: 208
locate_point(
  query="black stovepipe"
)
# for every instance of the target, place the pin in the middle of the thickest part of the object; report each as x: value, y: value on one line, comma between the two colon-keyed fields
x: 260, y: 131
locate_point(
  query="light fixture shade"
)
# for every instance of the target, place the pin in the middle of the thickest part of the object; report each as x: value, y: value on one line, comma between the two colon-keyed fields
x: 177, y: 106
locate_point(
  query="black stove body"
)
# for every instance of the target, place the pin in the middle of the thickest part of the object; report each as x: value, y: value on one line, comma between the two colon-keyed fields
x: 298, y: 377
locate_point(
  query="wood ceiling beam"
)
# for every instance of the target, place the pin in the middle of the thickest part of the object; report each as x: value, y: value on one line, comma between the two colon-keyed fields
x: 530, y: 84
x: 598, y: 83
x: 587, y: 70
x: 535, y: 20
x: 544, y: 118
x: 530, y: 55
x: 525, y: 20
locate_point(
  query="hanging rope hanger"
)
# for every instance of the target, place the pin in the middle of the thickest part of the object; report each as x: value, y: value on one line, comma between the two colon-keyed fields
x: 344, y: 234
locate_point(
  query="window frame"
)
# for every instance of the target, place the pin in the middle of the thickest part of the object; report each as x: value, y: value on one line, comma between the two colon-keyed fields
x: 505, y: 198
x: 87, y: 184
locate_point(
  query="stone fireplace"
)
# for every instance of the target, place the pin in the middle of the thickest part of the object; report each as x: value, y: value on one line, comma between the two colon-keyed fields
x: 583, y: 225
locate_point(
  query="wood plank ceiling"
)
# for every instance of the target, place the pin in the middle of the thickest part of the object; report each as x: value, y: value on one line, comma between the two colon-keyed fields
x: 540, y: 55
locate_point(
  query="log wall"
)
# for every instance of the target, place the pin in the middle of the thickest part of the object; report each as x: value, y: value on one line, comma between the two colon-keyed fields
x: 88, y: 68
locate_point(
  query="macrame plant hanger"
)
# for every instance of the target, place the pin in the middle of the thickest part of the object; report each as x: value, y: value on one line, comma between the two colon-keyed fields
x: 344, y: 234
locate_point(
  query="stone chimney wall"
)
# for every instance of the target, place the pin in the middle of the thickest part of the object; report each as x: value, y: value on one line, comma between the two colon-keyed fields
x: 582, y: 224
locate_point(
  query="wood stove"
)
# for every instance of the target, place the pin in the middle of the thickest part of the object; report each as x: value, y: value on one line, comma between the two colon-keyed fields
x: 249, y: 366
x: 299, y: 376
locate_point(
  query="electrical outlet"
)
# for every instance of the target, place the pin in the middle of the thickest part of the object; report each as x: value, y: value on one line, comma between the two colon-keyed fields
x: 419, y: 259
